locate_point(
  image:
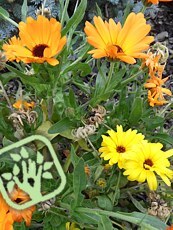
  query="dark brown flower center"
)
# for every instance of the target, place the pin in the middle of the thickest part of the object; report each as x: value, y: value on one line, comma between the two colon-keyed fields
x: 147, y: 163
x: 119, y: 50
x: 38, y: 50
x: 120, y: 149
x: 18, y: 200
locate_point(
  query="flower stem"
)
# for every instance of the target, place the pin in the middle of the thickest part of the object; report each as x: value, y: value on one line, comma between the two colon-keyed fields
x: 125, y: 82
x: 112, y: 64
x: 143, y: 9
x: 117, y: 187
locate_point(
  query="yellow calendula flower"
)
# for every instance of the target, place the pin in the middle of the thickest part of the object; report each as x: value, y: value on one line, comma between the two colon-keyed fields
x: 114, y: 41
x: 148, y: 161
x: 118, y: 144
x: 39, y: 41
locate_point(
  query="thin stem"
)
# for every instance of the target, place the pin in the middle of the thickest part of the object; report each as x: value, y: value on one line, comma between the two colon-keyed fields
x: 117, y: 187
x: 6, y: 96
x: 164, y: 110
x: 112, y: 64
x: 143, y: 9
x: 64, y: 11
x: 95, y: 153
x: 11, y: 21
x: 125, y: 82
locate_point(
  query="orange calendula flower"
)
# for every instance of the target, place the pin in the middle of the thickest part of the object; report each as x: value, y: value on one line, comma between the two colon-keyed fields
x: 39, y: 41
x: 6, y: 220
x: 21, y: 104
x: 20, y: 197
x: 157, y: 1
x: 114, y: 41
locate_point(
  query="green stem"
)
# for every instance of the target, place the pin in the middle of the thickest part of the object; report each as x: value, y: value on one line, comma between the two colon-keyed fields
x: 112, y: 64
x: 64, y: 12
x: 125, y: 82
x: 95, y: 152
x: 11, y: 21
x: 117, y: 187
x: 143, y: 9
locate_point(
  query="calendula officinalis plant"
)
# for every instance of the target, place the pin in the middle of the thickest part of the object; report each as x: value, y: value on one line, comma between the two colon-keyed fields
x: 97, y: 89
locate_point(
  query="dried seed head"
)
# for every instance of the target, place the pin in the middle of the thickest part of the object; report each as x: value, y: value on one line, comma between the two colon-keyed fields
x: 158, y: 207
x: 158, y: 49
x: 84, y: 132
x: 44, y: 11
x: 97, y: 116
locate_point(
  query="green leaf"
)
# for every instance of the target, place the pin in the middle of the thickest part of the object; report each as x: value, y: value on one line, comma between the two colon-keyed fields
x: 47, y: 165
x: 98, y: 172
x: 76, y: 18
x: 24, y: 10
x: 84, y: 68
x: 24, y: 153
x: 105, y: 87
x: 136, y: 112
x: 105, y: 203
x: 74, y: 157
x: 163, y: 137
x: 43, y: 130
x: 86, y: 218
x: 47, y: 175
x: 61, y: 126
x: 105, y: 223
x: 7, y: 176
x: 4, y: 13
x: 153, y: 122
x: 79, y: 182
x: 16, y: 169
x: 10, y: 186
x: 15, y: 157
x: 40, y: 158
x: 137, y: 204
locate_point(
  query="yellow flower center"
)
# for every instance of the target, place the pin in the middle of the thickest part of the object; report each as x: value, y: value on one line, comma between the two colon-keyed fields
x: 147, y: 164
x: 112, y: 51
x: 120, y: 149
x: 38, y: 50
